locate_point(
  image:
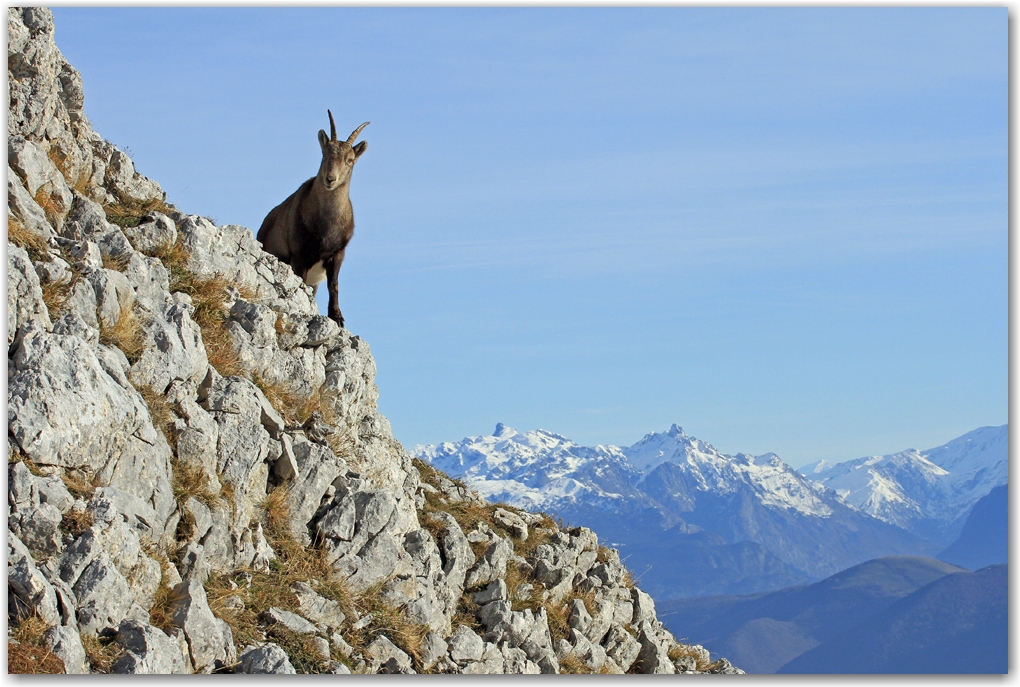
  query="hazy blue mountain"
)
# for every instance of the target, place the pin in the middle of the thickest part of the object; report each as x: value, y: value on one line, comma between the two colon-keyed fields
x: 694, y: 520
x: 763, y: 632
x: 984, y: 539
x: 927, y: 492
x: 956, y: 624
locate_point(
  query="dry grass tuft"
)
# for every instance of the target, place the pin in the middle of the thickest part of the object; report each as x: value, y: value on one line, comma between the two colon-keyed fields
x: 174, y: 257
x: 130, y: 213
x: 160, y: 411
x: 126, y: 334
x: 189, y: 482
x: 29, y: 656
x: 467, y: 614
x: 161, y: 613
x: 295, y: 407
x: 25, y: 659
x: 386, y: 620
x: 76, y: 522
x: 77, y: 484
x: 33, y: 243
x: 50, y: 207
x: 682, y: 650
x: 284, y: 397
x: 19, y: 457
x: 101, y: 652
x: 117, y: 263
x: 210, y: 296
x: 572, y: 665
x: 276, y: 512
x: 300, y: 649
x: 55, y: 295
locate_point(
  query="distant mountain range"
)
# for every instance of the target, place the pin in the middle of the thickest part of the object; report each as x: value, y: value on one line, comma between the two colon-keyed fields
x: 895, y: 614
x: 738, y: 524
x: 957, y: 624
x: 984, y: 539
x: 929, y: 493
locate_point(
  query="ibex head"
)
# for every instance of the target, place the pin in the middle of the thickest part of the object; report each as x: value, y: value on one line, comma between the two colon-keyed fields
x: 338, y: 157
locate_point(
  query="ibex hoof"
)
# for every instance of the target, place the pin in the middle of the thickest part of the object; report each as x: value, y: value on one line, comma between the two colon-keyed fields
x: 337, y: 317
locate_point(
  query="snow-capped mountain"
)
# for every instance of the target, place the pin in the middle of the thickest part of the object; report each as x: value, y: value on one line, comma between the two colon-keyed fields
x: 928, y: 492
x: 773, y: 482
x: 535, y: 469
x: 672, y: 498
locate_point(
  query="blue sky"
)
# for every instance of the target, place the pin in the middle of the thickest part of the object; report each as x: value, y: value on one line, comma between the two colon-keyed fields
x: 783, y: 229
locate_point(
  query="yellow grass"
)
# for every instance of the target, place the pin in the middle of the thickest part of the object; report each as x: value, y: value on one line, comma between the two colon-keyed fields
x: 117, y: 263
x: 33, y: 243
x: 101, y: 652
x: 129, y: 213
x: 572, y: 665
x: 681, y: 650
x: 160, y: 411
x: 189, y: 482
x: 49, y: 205
x: 29, y: 656
x: 55, y: 295
x: 126, y: 334
x: 161, y: 612
x: 76, y: 522
x: 77, y: 484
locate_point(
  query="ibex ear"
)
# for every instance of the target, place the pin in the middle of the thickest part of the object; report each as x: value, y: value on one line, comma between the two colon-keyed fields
x: 323, y: 138
x: 359, y: 149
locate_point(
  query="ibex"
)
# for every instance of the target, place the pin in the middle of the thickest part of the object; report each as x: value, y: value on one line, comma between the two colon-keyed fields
x: 311, y: 229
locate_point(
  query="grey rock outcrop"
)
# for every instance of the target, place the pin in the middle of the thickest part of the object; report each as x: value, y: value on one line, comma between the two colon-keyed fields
x: 148, y: 651
x: 267, y: 658
x: 65, y: 643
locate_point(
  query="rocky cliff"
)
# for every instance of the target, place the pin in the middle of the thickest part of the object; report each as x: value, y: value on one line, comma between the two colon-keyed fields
x: 199, y: 479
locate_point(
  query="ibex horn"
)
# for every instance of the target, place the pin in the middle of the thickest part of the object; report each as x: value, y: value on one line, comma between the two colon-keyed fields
x: 357, y: 131
x: 332, y: 126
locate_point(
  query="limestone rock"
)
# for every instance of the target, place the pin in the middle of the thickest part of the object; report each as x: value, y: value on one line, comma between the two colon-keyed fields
x: 148, y: 651
x: 465, y: 645
x: 156, y: 231
x: 65, y: 410
x: 318, y: 609
x: 31, y: 591
x: 24, y: 294
x: 291, y: 621
x: 382, y: 652
x: 264, y: 658
x: 65, y: 643
x: 210, y: 641
x: 621, y: 647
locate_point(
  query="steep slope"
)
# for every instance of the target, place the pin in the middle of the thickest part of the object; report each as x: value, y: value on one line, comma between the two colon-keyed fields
x: 927, y: 492
x: 985, y: 536
x: 757, y: 514
x: 766, y: 631
x: 957, y: 624
x: 199, y: 479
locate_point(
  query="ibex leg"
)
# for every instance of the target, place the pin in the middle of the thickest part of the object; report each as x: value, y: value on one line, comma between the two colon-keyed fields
x: 332, y: 266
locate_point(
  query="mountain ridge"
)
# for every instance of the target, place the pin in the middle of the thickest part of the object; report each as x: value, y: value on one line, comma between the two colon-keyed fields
x: 926, y: 492
x: 690, y: 487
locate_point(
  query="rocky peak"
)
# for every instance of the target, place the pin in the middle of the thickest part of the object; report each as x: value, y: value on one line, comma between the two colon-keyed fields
x: 199, y: 479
